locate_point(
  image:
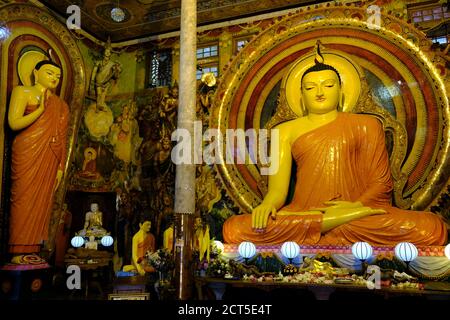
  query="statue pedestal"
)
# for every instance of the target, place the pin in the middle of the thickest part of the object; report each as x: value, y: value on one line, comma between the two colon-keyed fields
x: 24, y: 282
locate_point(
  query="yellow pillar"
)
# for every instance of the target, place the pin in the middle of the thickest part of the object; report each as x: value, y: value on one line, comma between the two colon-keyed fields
x: 176, y: 62
x: 225, y: 50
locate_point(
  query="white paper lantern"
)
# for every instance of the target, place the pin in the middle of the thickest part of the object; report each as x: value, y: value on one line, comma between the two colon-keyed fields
x: 406, y: 251
x: 290, y: 249
x: 362, y: 250
x: 77, y: 241
x: 107, y: 241
x: 219, y: 245
x: 447, y: 251
x: 247, y: 249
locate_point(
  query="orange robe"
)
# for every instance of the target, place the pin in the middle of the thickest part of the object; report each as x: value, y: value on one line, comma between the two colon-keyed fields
x: 148, y: 244
x: 345, y: 159
x: 38, y: 152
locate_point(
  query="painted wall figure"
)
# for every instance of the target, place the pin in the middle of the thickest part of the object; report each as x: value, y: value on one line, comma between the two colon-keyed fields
x: 89, y: 168
x: 105, y: 71
x: 168, y: 111
x: 124, y: 135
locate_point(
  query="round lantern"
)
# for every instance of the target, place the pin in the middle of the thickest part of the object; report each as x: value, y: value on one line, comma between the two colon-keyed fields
x: 117, y: 14
x: 247, y: 249
x: 107, y: 241
x: 406, y: 251
x: 219, y: 245
x: 362, y: 250
x: 77, y: 241
x: 290, y: 250
x: 447, y: 251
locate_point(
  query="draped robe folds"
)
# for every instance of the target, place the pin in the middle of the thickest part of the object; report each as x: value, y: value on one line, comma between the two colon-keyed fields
x: 147, y: 244
x: 38, y: 151
x: 345, y: 159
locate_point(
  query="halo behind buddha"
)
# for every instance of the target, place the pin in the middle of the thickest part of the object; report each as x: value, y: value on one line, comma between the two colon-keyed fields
x: 26, y: 65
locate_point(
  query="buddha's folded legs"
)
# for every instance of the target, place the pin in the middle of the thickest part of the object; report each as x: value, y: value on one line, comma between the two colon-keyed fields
x: 302, y: 229
x: 420, y: 228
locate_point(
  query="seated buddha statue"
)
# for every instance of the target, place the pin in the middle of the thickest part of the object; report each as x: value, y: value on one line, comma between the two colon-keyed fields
x: 93, y: 223
x: 143, y: 242
x: 343, y: 181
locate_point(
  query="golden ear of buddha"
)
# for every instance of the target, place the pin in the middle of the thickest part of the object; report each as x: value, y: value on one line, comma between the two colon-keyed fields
x: 349, y: 72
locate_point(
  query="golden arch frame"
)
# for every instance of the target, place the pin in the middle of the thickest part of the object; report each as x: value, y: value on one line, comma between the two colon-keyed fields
x: 420, y: 73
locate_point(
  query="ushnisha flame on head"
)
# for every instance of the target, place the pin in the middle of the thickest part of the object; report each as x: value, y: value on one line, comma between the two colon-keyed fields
x: 318, y: 58
x: 319, y: 64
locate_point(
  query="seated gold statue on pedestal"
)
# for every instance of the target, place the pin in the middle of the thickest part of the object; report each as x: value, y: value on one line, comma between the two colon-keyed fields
x: 91, y: 244
x: 342, y: 164
x: 93, y: 223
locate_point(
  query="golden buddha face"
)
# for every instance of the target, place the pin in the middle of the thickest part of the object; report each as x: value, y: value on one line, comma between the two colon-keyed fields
x: 94, y: 207
x: 146, y: 226
x: 48, y: 76
x: 321, y: 91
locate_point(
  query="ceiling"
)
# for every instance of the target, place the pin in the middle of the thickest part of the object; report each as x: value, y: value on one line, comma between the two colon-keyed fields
x: 152, y: 17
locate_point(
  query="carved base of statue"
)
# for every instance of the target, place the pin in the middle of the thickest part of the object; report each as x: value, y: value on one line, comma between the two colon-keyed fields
x: 28, y: 259
x: 97, y: 232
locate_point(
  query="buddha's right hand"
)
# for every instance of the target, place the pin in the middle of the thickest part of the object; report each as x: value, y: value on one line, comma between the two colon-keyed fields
x: 260, y: 216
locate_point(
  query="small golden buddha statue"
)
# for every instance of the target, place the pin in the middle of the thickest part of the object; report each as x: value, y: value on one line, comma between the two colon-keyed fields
x: 93, y: 223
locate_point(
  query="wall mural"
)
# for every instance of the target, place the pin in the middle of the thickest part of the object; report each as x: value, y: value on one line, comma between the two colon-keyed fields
x: 124, y: 147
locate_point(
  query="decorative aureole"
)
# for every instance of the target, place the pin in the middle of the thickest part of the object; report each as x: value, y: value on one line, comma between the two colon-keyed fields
x: 28, y: 59
x: 403, y: 83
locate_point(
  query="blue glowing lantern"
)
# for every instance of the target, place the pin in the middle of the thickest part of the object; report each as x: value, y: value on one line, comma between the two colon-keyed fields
x: 219, y: 245
x: 362, y: 250
x: 247, y: 250
x: 290, y: 250
x: 447, y: 251
x: 406, y: 251
x: 77, y: 241
x: 107, y: 241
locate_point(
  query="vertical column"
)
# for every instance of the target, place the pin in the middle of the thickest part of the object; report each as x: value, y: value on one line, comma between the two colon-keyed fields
x: 225, y: 50
x: 185, y: 173
x: 176, y: 62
